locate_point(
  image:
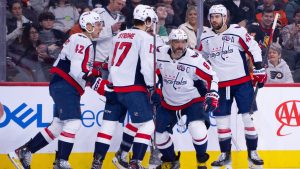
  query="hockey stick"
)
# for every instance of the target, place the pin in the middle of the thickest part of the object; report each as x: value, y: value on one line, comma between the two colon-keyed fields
x: 154, y: 160
x: 267, y: 51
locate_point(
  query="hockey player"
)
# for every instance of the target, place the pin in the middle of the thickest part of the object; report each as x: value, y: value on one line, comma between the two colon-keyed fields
x: 71, y: 70
x: 182, y: 71
x: 132, y: 73
x: 111, y: 27
x: 226, y: 46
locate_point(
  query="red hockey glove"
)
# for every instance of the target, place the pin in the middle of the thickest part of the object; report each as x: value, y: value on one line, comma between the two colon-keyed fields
x: 259, y: 77
x: 211, y: 101
x: 99, y: 85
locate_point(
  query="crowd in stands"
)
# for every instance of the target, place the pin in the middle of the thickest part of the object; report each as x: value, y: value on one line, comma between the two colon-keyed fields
x: 37, y: 29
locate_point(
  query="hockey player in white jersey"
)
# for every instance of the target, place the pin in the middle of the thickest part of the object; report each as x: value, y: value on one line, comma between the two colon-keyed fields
x: 71, y: 70
x: 112, y: 25
x: 132, y: 72
x: 225, y: 47
x: 182, y: 72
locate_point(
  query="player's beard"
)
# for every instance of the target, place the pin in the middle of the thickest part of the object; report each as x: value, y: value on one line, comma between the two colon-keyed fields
x: 177, y: 53
x: 216, y: 26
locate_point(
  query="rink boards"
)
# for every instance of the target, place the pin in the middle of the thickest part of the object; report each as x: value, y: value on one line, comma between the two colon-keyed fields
x: 28, y: 109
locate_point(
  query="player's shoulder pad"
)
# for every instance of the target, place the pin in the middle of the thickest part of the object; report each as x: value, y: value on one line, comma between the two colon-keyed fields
x: 99, y: 10
x: 191, y: 53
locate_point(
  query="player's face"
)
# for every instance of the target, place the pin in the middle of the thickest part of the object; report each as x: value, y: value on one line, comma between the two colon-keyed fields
x: 97, y: 30
x: 178, y: 47
x: 273, y: 56
x: 216, y: 21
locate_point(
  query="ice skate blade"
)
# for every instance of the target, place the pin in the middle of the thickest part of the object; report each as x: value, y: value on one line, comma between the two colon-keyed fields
x: 252, y: 166
x: 222, y: 167
x: 117, y: 164
x: 15, y: 160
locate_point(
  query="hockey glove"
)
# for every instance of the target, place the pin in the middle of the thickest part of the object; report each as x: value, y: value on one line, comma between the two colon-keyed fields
x: 259, y: 77
x: 154, y: 96
x: 99, y: 85
x: 211, y: 101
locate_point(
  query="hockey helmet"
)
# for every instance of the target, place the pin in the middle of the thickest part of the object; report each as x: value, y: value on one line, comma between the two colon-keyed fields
x: 89, y: 17
x: 217, y: 9
x: 178, y: 34
x: 142, y: 12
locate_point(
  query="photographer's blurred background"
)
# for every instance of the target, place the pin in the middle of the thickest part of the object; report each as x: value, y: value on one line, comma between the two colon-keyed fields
x: 36, y: 30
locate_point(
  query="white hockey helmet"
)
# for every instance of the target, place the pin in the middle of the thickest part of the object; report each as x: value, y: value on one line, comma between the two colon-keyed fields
x: 178, y: 34
x: 217, y: 9
x: 142, y: 12
x: 89, y: 17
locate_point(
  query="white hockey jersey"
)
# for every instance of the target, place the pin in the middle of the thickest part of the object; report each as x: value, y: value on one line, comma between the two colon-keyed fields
x: 132, y: 64
x: 178, y: 76
x: 227, y: 53
x: 75, y: 60
x: 105, y: 40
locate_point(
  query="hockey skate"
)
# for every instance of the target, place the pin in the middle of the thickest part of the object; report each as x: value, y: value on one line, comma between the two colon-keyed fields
x: 201, y: 161
x: 255, y: 162
x: 170, y: 164
x: 135, y: 164
x: 155, y: 156
x: 21, y: 157
x: 62, y: 164
x: 223, y: 160
x: 97, y: 162
x: 120, y: 160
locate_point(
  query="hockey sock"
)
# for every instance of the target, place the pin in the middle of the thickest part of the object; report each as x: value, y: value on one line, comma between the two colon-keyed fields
x: 37, y: 143
x: 128, y: 137
x: 64, y: 150
x: 101, y: 149
x: 200, y: 149
x: 168, y: 154
x: 251, y: 143
x: 225, y: 145
x: 139, y: 150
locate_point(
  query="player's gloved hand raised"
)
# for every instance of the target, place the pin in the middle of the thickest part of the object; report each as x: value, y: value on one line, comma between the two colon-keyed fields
x: 259, y: 77
x: 211, y: 101
x: 154, y: 96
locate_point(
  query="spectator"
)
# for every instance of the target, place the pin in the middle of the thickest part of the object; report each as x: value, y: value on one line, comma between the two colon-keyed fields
x: 127, y: 11
x: 39, y: 5
x: 246, y: 9
x: 26, y: 63
x: 173, y: 18
x: 190, y: 26
x: 290, y: 9
x: 291, y: 33
x: 112, y: 25
x: 65, y: 14
x: 51, y: 41
x: 14, y: 23
x: 269, y: 5
x: 262, y: 31
x: 100, y: 3
x: 278, y: 71
x: 162, y: 14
